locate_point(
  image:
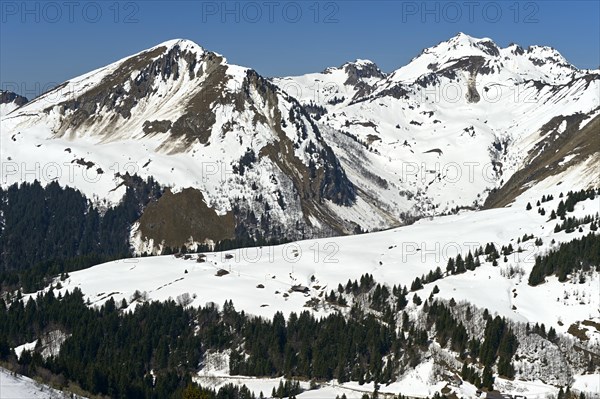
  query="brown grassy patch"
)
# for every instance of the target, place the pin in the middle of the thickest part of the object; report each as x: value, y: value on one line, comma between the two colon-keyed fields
x: 577, y: 332
x: 591, y: 323
x: 174, y: 218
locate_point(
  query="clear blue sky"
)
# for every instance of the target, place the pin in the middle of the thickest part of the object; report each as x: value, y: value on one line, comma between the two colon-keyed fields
x: 42, y: 43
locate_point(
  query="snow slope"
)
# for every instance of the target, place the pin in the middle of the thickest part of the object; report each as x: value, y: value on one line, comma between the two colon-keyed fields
x: 10, y: 101
x: 21, y: 387
x: 260, y: 280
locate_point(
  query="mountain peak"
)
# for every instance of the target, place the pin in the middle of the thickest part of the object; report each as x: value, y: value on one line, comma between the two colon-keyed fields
x: 457, y: 47
x: 546, y: 53
x: 181, y: 44
x: 359, y: 70
x: 463, y: 41
x: 463, y: 37
x: 360, y: 63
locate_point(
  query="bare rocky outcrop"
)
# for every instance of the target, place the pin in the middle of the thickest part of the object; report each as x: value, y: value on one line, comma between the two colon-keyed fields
x: 7, y: 97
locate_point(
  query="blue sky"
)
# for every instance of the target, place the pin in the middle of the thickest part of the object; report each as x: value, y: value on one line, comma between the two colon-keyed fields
x: 45, y: 43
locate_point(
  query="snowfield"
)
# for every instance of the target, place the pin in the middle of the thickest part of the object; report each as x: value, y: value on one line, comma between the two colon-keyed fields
x: 21, y: 387
x: 261, y: 280
x: 588, y: 383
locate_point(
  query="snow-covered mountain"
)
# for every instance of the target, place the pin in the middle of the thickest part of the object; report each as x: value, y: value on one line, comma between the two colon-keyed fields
x: 334, y: 86
x: 536, y: 62
x: 247, y: 152
x: 320, y: 154
x: 457, y: 121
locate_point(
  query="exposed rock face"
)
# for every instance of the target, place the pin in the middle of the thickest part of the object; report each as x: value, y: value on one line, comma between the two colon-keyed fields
x: 7, y: 97
x: 553, y: 155
x: 361, y: 75
x: 156, y: 126
x: 324, y: 180
x: 489, y: 47
x: 542, y: 55
x: 138, y: 78
x: 357, y: 71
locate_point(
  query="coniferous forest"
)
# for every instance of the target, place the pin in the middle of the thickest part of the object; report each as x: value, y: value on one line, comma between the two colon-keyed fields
x: 577, y: 255
x: 110, y: 352
x: 153, y: 351
x: 50, y: 230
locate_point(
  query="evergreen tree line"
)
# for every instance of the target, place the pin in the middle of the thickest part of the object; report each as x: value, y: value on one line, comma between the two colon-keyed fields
x: 460, y: 265
x: 546, y: 198
x: 457, y: 265
x: 569, y: 224
x: 227, y: 244
x: 322, y: 349
x: 540, y: 329
x: 377, y: 296
x: 289, y: 389
x: 108, y: 352
x: 568, y: 394
x: 579, y: 254
x: 568, y: 204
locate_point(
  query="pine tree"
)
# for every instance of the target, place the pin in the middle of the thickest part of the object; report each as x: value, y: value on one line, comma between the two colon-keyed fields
x: 450, y: 268
x: 487, y: 378
x: 470, y: 262
x: 416, y: 285
x: 460, y: 265
x: 561, y: 210
x: 417, y: 300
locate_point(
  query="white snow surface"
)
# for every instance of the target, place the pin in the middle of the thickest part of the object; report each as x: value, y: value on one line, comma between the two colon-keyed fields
x: 6, y: 109
x: 588, y: 383
x: 21, y: 387
x: 29, y: 346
